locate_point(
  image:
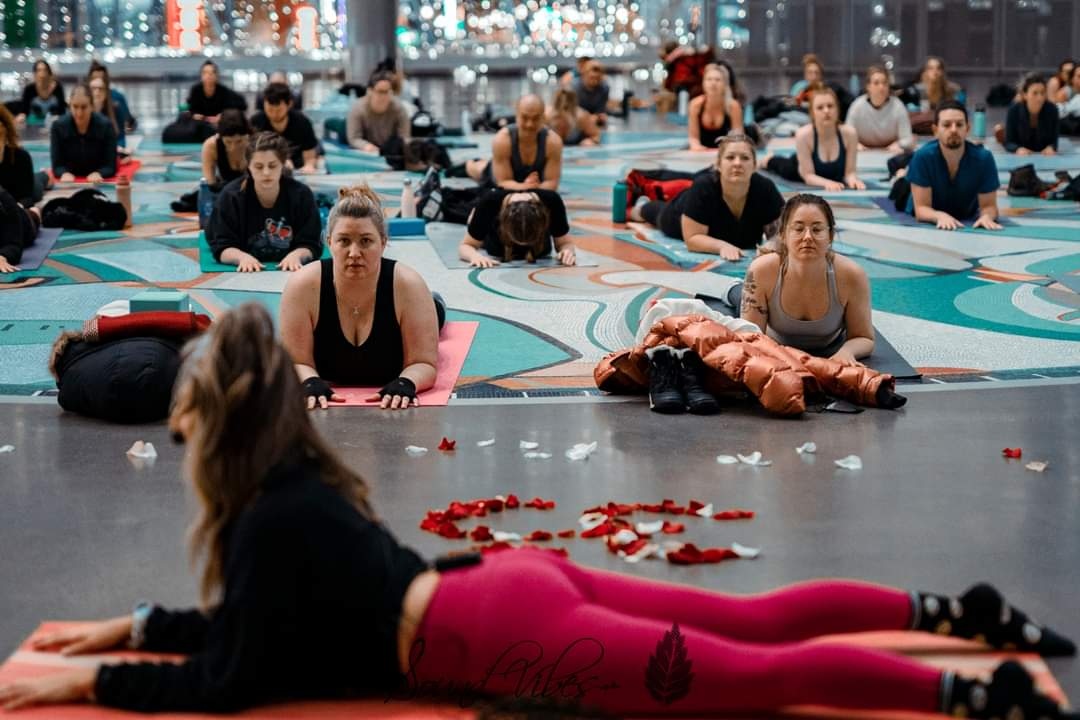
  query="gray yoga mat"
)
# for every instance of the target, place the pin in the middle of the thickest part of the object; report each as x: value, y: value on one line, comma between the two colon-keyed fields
x: 446, y: 237
x: 34, y: 255
x: 885, y: 359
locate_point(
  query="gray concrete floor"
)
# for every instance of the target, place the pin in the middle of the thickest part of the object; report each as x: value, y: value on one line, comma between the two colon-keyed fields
x: 86, y: 534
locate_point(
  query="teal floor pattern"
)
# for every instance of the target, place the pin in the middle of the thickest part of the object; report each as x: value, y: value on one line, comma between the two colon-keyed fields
x: 958, y: 305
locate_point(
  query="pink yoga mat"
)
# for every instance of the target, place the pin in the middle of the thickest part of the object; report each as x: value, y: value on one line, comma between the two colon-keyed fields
x: 26, y: 663
x: 123, y: 169
x: 454, y: 344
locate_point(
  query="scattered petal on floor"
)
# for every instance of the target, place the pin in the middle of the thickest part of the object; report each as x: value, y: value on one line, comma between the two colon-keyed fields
x: 623, y: 537
x: 1012, y: 452
x: 501, y: 536
x: 1037, y: 465
x: 705, y: 511
x: 448, y: 445
x: 806, y: 447
x: 754, y: 459
x: 727, y: 459
x: 537, y: 456
x: 745, y: 552
x: 415, y: 450
x: 851, y: 462
x: 649, y: 528
x: 486, y: 443
x: 7, y: 449
x: 590, y: 520
x: 528, y: 445
x: 581, y: 451
x: 144, y: 451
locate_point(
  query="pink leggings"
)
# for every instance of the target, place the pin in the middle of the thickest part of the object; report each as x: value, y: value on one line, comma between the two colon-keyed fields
x: 532, y: 624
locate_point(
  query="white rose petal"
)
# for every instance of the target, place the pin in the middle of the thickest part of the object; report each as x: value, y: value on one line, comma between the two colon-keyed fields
x: 581, y: 451
x: 415, y: 450
x: 501, y: 536
x: 144, y: 451
x: 647, y: 551
x: 650, y: 528
x: 727, y: 459
x: 1037, y: 465
x: 745, y: 552
x: 486, y: 443
x: 528, y: 445
x: 705, y: 512
x: 623, y: 537
x: 851, y: 462
x: 588, y: 521
x: 754, y: 459
x: 806, y: 447
x: 537, y: 456
x: 7, y: 449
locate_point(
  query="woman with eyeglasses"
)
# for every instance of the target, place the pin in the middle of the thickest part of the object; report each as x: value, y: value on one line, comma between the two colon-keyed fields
x: 806, y: 296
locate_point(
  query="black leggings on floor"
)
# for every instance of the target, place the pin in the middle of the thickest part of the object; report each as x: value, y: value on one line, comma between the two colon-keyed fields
x: 664, y: 215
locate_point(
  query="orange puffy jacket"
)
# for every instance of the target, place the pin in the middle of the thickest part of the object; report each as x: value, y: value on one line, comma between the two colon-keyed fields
x: 782, y: 378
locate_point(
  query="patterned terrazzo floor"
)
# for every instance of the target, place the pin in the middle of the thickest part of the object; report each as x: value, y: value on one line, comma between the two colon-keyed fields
x: 956, y: 305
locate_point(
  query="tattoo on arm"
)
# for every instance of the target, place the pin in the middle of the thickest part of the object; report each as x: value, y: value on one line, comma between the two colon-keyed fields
x: 750, y: 301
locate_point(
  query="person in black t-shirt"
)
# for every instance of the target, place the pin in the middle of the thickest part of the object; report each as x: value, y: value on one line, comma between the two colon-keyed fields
x: 16, y: 165
x: 516, y: 225
x: 264, y: 217
x: 208, y: 98
x: 82, y: 143
x: 725, y: 211
x: 277, y: 115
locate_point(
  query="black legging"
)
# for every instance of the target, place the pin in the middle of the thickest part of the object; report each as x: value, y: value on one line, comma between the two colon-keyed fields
x: 665, y: 215
x: 786, y: 166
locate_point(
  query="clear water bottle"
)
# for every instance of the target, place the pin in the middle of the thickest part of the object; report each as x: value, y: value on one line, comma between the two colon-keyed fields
x: 205, y: 203
x: 684, y: 102
x: 465, y: 121
x: 748, y: 115
x: 408, y: 200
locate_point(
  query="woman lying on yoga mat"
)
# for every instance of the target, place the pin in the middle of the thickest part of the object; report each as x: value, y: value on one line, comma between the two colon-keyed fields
x: 570, y: 122
x: 715, y: 113
x: 359, y: 318
x: 308, y: 595
x: 517, y: 226
x: 265, y: 216
x: 825, y: 137
x: 18, y: 229
x: 806, y: 296
x: 224, y: 154
x: 725, y: 211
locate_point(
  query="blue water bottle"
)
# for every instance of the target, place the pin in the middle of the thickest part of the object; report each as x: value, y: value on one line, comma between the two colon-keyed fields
x: 748, y: 115
x: 205, y: 203
x: 978, y: 122
x: 618, y: 202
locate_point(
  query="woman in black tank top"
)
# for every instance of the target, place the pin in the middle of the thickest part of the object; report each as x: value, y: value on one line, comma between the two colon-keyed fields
x: 360, y: 319
x: 231, y: 139
x: 717, y: 96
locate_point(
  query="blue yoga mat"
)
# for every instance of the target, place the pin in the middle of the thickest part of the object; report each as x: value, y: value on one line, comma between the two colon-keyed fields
x: 903, y: 218
x: 34, y: 255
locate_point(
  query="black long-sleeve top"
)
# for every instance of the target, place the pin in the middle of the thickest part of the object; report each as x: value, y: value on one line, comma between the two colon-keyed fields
x: 17, y: 174
x: 239, y: 220
x: 1019, y: 133
x: 224, y: 98
x: 33, y: 104
x: 17, y: 231
x: 312, y: 598
x: 79, y: 154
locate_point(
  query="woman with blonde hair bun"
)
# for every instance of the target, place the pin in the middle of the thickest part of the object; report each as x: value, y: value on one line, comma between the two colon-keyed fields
x: 358, y: 317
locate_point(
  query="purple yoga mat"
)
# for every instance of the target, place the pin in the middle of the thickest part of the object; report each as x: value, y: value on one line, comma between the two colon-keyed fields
x: 34, y: 255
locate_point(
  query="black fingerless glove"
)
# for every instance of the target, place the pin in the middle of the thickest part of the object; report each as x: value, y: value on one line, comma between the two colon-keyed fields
x: 316, y: 387
x: 401, y: 386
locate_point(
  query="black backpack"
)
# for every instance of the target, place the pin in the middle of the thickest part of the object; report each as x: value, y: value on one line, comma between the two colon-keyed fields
x: 87, y: 209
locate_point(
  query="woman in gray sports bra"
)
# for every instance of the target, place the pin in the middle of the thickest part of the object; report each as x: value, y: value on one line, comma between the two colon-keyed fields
x: 784, y: 291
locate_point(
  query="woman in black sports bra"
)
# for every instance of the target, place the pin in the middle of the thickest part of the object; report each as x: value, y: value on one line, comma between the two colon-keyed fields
x: 358, y: 318
x: 224, y: 155
x: 717, y: 100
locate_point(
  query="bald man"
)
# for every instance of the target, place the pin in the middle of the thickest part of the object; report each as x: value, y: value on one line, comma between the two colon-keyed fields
x: 527, y: 155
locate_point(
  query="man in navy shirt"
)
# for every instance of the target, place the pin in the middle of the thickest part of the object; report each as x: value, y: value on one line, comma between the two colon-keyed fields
x: 953, y: 180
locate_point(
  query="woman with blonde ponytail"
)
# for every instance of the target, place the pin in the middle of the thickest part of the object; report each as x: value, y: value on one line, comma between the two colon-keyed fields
x: 359, y: 318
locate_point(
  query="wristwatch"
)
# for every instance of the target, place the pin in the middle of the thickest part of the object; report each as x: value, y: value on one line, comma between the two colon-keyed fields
x: 139, y: 617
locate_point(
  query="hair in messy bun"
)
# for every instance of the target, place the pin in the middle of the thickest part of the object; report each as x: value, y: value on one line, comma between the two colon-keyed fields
x: 357, y: 201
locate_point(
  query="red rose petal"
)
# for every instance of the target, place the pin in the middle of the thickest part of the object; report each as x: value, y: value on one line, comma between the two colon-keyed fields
x: 695, y: 505
x: 1012, y: 452
x: 481, y: 533
x: 629, y: 548
x: 538, y: 536
x: 735, y: 514
x: 688, y: 554
x: 540, y: 504
x: 671, y: 528
x: 715, y: 555
x: 669, y: 506
x: 603, y: 529
x: 566, y: 533
x: 451, y: 531
x: 512, y: 502
x: 447, y: 445
x: 495, y: 504
x: 653, y: 508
